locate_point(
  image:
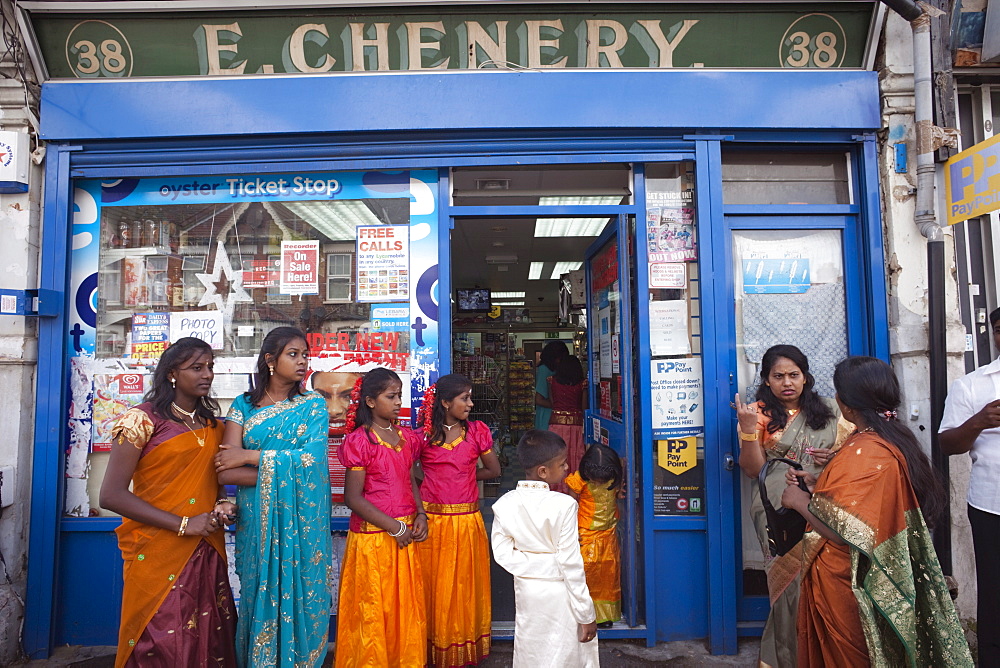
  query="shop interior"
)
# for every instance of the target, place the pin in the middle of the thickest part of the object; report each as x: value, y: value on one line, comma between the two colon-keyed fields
x: 518, y: 284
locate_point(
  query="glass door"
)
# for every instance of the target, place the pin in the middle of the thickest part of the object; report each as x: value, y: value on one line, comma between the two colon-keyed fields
x: 791, y: 286
x: 611, y: 418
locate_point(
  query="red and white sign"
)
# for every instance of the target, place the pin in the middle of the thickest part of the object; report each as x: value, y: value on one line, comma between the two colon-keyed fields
x: 299, y: 268
x: 262, y: 274
x: 130, y: 383
x: 667, y: 275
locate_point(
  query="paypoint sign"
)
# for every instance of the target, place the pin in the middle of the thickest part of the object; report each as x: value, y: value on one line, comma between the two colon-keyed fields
x: 972, y: 181
x: 678, y: 455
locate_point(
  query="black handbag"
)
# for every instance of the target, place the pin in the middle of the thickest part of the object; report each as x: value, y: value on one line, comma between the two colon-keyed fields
x: 785, y: 527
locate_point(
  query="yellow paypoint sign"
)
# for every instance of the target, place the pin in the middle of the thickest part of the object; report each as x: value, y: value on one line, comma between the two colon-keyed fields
x: 677, y: 455
x: 494, y: 312
x: 972, y: 181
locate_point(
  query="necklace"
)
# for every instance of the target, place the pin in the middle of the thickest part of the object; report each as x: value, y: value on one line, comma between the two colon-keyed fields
x: 450, y: 426
x: 270, y: 397
x: 190, y: 416
x: 389, y: 428
x: 180, y: 410
x: 793, y: 412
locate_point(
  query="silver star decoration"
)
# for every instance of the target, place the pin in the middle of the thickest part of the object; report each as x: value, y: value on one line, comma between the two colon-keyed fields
x: 227, y: 302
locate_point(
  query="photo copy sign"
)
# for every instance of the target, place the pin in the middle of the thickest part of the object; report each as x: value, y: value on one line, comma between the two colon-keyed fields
x: 204, y: 325
x: 299, y: 268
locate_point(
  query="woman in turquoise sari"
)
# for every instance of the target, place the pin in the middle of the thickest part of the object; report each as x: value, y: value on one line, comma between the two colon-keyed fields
x: 275, y: 449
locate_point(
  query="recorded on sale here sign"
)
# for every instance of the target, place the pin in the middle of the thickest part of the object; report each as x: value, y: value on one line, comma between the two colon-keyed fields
x: 299, y: 268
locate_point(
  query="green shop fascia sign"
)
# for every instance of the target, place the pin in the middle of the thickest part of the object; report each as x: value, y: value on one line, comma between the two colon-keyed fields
x: 719, y: 35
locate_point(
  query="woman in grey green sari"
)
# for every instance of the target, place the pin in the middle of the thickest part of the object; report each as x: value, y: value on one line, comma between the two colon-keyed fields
x: 789, y: 420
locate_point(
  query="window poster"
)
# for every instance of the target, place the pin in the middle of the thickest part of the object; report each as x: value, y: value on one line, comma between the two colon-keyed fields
x: 383, y: 263
x: 677, y: 397
x: 768, y: 275
x: 679, y: 476
x: 668, y: 328
x: 604, y: 342
x: 150, y: 335
x: 670, y: 225
x: 299, y: 268
x: 667, y: 275
x: 204, y: 325
x: 228, y: 258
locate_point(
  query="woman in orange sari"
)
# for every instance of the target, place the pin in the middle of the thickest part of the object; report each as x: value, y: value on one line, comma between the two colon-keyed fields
x: 177, y: 607
x: 872, y: 590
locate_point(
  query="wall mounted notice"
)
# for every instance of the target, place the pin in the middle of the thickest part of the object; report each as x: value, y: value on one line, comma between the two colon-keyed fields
x: 383, y: 263
x: 677, y: 397
x: 668, y: 328
x: 667, y: 275
x: 113, y: 395
x: 299, y: 268
x: 204, y: 325
x: 604, y: 342
x: 679, y: 477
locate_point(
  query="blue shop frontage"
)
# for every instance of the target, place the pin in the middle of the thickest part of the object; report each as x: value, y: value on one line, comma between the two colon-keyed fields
x: 668, y: 188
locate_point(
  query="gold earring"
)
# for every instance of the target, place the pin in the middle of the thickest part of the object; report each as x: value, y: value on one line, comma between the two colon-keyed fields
x: 271, y: 369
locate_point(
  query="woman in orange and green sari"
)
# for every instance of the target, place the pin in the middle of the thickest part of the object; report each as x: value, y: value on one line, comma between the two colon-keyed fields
x: 788, y: 420
x: 872, y: 590
x: 177, y: 607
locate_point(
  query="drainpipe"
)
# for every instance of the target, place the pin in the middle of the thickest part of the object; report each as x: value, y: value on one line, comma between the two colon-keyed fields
x: 929, y: 139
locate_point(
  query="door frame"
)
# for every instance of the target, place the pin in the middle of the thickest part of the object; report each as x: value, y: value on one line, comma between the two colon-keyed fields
x: 864, y: 298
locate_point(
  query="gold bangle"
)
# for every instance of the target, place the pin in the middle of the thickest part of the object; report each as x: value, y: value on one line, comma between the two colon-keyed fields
x: 223, y: 500
x: 748, y: 437
x: 184, y: 525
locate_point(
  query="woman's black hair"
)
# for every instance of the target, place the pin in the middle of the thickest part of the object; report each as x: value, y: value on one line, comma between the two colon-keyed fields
x: 273, y: 345
x: 375, y: 383
x: 569, y: 371
x: 601, y: 464
x: 446, y: 389
x: 552, y: 353
x: 162, y: 394
x: 816, y: 412
x: 869, y: 387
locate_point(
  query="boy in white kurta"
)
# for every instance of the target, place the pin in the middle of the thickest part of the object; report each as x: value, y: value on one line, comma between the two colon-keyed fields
x: 535, y: 538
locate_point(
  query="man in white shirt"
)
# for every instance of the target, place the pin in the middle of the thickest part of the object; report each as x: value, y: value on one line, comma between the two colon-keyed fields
x: 971, y: 423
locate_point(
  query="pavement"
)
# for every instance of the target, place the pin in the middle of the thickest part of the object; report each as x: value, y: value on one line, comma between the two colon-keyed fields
x: 616, y: 653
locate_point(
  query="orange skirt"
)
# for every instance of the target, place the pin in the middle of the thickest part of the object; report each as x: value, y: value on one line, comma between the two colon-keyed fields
x: 380, y: 616
x: 602, y: 565
x: 455, y: 562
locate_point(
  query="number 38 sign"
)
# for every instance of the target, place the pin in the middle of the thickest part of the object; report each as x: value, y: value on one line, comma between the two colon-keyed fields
x: 98, y: 49
x: 813, y: 40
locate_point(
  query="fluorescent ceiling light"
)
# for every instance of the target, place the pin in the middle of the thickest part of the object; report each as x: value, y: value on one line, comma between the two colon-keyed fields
x: 564, y: 268
x: 507, y: 295
x: 580, y: 200
x: 535, y: 271
x: 518, y: 303
x: 569, y: 227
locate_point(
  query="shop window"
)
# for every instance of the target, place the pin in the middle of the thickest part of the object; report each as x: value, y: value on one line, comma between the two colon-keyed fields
x: 786, y: 178
x: 228, y: 260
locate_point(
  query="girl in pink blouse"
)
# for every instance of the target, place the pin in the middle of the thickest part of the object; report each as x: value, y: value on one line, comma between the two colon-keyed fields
x: 381, y: 619
x: 455, y: 559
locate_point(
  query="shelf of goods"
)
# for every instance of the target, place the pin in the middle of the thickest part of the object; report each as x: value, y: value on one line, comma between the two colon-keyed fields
x: 521, y: 395
x: 488, y: 388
